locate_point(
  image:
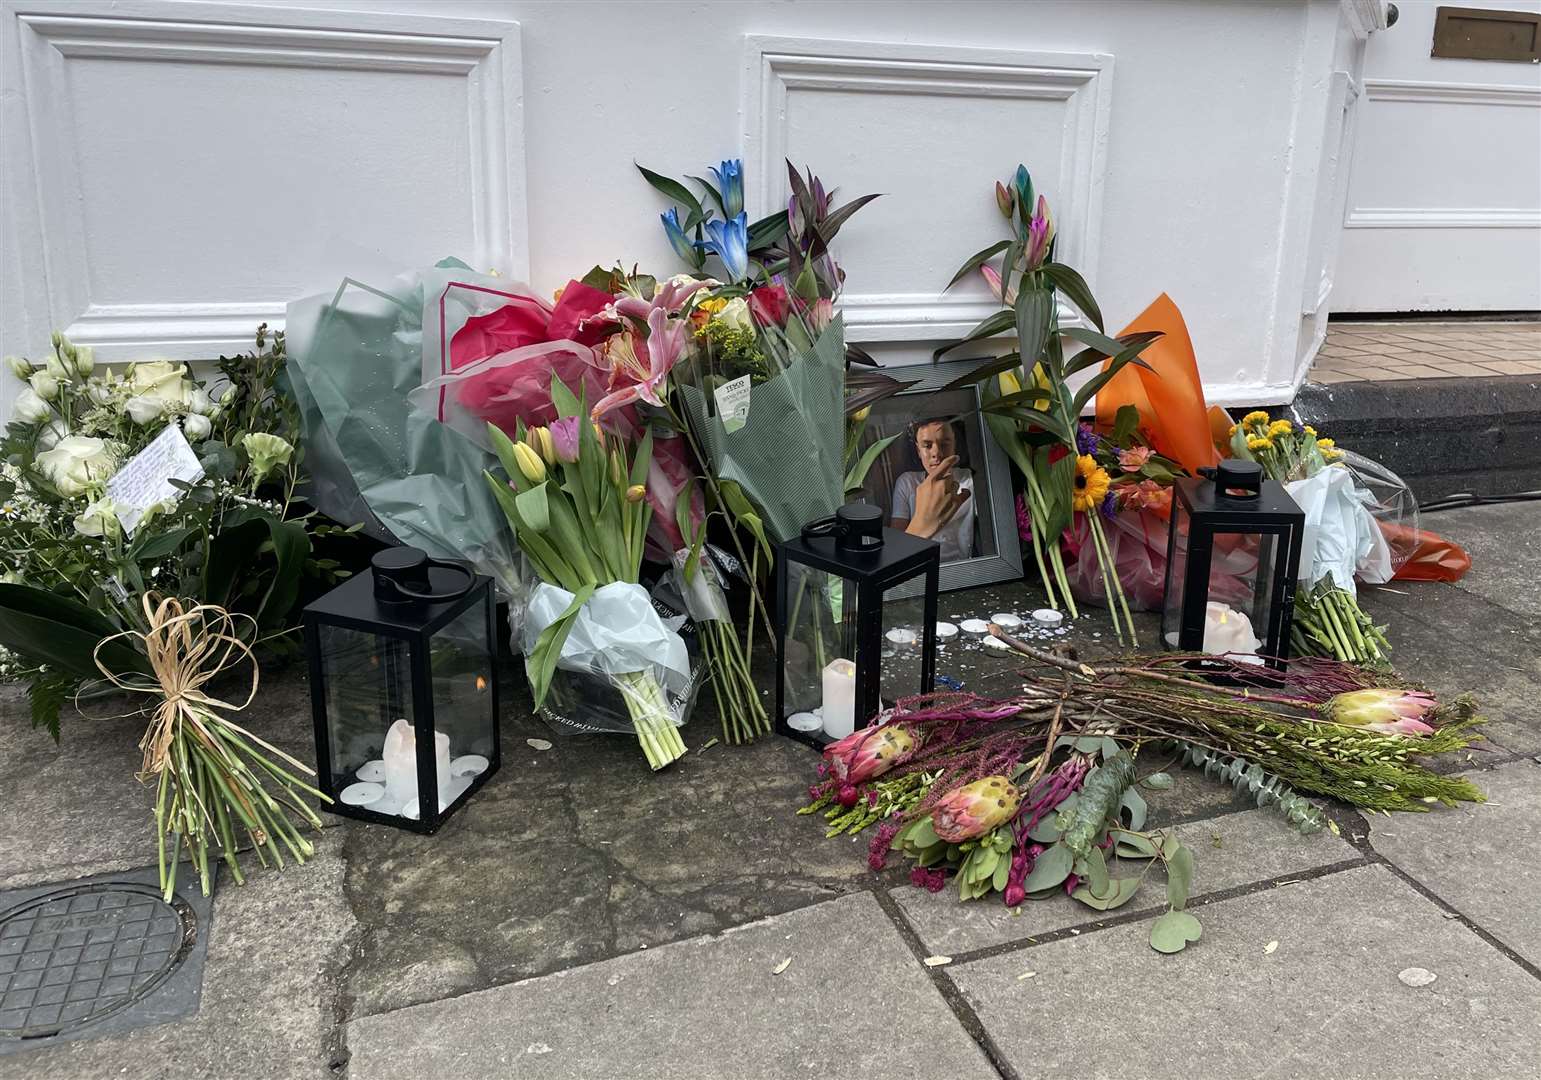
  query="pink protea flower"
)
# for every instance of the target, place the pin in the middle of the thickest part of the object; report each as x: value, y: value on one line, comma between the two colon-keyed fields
x: 1390, y: 712
x: 974, y: 809
x: 1133, y: 459
x: 869, y: 752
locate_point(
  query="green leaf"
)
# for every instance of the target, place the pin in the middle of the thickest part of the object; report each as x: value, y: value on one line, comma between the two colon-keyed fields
x: 1073, y: 285
x: 1052, y: 868
x: 1135, y: 804
x: 768, y: 230
x: 857, y: 474
x: 1171, y: 932
x: 840, y: 215
x: 46, y: 694
x: 1096, y: 875
x: 233, y: 551
x: 989, y: 327
x: 152, y: 545
x: 534, y: 509
x: 1125, y: 423
x: 1119, y: 893
x: 672, y: 188
x: 540, y: 665
x: 1034, y: 417
x: 566, y: 402
x: 1098, y: 381
x: 711, y: 190
x: 976, y: 260
x: 1047, y: 831
x: 291, y: 546
x: 923, y: 834
x: 1002, y: 875
x: 1179, y: 877
x: 63, y: 633
x: 1133, y: 845
x: 986, y: 371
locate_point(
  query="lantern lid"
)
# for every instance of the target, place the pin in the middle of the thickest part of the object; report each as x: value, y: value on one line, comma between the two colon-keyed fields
x: 1247, y: 501
x: 896, y: 556
x: 369, y: 601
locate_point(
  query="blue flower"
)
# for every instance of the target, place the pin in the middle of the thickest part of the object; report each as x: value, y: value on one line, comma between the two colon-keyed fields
x: 730, y: 243
x: 730, y: 182
x: 1085, y: 439
x: 677, y: 238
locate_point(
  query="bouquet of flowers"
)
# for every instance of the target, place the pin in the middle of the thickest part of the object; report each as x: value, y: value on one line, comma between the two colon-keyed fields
x: 1039, y: 794
x: 1342, y: 537
x: 1034, y: 414
x: 225, y: 531
x: 574, y: 497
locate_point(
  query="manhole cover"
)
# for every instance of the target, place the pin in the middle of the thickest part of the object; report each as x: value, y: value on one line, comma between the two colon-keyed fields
x: 77, y: 955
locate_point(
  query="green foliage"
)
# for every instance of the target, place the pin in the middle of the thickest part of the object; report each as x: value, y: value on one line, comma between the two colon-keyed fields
x: 1100, y: 799
x: 1253, y: 779
x: 735, y: 352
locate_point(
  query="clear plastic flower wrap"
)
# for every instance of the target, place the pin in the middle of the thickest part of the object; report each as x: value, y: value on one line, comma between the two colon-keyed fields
x: 1391, y: 502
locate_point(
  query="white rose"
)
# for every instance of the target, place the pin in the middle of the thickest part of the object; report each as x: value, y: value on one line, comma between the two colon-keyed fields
x: 196, y: 427
x: 49, y: 437
x: 736, y: 314
x: 56, y: 368
x: 99, y: 392
x: 21, y: 368
x: 143, y: 410
x: 98, y: 519
x: 161, y: 381
x: 46, y: 385
x: 77, y: 464
x: 30, y: 409
x: 198, y: 401
x: 85, y: 360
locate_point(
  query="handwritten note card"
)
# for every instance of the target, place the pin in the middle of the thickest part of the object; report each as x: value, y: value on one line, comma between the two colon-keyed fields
x: 146, y: 479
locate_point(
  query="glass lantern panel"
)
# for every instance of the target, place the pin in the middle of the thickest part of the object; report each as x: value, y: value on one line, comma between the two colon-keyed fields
x: 1176, y: 575
x: 459, y: 666
x: 902, y: 644
x: 1241, y: 581
x: 820, y: 652
x: 367, y: 680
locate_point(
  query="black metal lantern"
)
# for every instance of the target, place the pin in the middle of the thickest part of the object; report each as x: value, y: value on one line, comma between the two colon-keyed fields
x: 404, y: 689
x: 842, y: 655
x: 1233, y: 553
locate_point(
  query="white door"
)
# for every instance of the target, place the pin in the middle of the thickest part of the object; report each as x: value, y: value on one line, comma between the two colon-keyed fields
x: 1444, y: 203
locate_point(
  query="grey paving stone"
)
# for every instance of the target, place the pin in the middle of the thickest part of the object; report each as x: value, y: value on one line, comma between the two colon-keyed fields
x: 1326, y: 1003
x: 1504, y: 542
x: 707, y: 1007
x: 1467, y: 856
x: 276, y: 947
x: 1236, y: 849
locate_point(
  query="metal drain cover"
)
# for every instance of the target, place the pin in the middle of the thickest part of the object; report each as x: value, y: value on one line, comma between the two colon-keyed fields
x: 96, y: 953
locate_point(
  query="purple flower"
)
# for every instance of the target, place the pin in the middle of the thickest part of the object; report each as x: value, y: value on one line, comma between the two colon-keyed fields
x: 1024, y: 521
x: 932, y: 879
x: 1085, y: 439
x: 1109, y: 505
x: 564, y: 439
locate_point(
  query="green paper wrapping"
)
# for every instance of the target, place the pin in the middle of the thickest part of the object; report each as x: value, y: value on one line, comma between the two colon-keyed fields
x: 789, y: 455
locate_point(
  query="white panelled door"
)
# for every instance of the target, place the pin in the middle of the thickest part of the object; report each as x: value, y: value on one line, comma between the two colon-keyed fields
x: 1444, y: 202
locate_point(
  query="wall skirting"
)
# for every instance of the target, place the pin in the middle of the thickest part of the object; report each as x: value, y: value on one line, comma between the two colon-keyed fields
x: 1416, y: 217
x: 1451, y: 93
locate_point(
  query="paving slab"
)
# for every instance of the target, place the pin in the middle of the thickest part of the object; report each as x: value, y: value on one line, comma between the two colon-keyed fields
x: 275, y: 948
x: 1467, y: 856
x: 1504, y: 542
x: 1326, y: 1003
x: 1236, y: 849
x: 76, y: 808
x: 853, y: 999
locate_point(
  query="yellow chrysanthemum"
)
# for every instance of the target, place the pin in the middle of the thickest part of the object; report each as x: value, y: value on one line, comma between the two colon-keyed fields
x: 1280, y: 427
x: 1091, y: 484
x: 1258, y: 442
x: 714, y: 305
x: 1233, y: 429
x: 1309, y: 430
x: 1255, y: 418
x: 1325, y: 444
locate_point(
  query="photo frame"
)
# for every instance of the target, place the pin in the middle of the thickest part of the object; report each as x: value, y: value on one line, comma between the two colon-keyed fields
x: 985, y: 548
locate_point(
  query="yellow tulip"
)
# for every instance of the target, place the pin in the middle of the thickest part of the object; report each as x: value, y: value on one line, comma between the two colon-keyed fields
x: 530, y: 464
x: 635, y: 493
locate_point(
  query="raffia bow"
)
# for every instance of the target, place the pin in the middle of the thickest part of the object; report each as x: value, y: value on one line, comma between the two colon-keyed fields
x: 187, y: 648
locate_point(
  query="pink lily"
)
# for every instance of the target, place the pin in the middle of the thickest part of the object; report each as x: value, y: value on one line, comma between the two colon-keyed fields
x: 642, y: 363
x: 1040, y: 234
x: 992, y: 277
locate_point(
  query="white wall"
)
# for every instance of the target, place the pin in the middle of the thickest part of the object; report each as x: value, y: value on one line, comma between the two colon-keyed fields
x: 1444, y: 209
x: 175, y: 171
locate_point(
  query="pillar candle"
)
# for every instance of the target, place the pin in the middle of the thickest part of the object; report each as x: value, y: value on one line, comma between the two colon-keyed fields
x: 839, y: 708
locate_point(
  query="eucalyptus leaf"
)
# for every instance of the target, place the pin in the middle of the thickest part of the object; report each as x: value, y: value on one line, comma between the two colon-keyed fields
x: 1133, y: 845
x: 1158, y: 781
x: 1173, y: 931
x: 1179, y: 877
x: 1135, y: 804
x: 1046, y: 831
x: 1119, y: 893
x: 1052, y: 868
x: 1096, y: 872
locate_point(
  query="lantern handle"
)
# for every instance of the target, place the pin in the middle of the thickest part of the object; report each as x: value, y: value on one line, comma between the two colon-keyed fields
x: 409, y: 595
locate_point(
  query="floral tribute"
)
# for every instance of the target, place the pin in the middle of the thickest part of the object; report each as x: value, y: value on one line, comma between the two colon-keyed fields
x: 1039, y: 794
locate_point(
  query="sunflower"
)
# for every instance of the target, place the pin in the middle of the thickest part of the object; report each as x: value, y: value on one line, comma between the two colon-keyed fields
x: 1091, y: 484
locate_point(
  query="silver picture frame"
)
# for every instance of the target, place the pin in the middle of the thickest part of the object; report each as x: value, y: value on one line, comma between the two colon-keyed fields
x: 998, y: 548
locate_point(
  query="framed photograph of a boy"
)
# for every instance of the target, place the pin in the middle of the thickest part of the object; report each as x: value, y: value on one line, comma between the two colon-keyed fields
x: 943, y: 476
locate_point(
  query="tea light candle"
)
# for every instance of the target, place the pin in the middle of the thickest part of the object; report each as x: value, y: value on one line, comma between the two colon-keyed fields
x: 1227, y: 630
x: 839, y: 708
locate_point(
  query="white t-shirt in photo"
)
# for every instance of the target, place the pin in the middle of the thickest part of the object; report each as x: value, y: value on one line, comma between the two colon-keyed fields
x: 957, y: 536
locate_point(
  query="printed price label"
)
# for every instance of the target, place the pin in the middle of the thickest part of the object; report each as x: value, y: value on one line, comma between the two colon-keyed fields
x: 146, y: 479
x: 733, y: 403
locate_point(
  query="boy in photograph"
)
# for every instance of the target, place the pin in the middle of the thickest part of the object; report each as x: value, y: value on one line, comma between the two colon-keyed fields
x: 935, y: 501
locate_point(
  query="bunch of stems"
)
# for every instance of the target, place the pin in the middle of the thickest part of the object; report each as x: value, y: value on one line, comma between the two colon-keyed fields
x: 738, y: 702
x: 1046, y: 549
x: 651, y: 717
x: 1329, y: 622
x: 1112, y: 588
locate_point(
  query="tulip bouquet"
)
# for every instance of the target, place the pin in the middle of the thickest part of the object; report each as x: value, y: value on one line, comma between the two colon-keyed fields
x: 1038, y: 794
x: 75, y: 572
x: 574, y: 497
x: 1029, y: 404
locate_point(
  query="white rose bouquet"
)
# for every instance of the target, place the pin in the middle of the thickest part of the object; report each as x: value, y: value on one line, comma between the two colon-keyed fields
x: 73, y: 576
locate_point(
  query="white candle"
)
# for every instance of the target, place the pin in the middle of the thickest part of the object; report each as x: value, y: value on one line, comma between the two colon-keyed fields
x: 400, y: 759
x: 839, y: 708
x: 1227, y: 630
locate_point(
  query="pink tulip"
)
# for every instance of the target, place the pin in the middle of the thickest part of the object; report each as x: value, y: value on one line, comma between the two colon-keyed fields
x: 564, y: 439
x: 974, y: 809
x: 1388, y: 711
x: 869, y: 752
